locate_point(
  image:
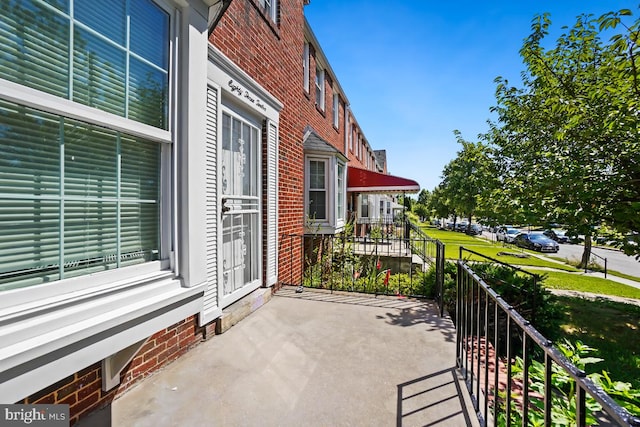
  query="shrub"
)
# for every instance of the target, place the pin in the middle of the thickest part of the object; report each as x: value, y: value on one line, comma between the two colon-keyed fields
x: 563, y: 409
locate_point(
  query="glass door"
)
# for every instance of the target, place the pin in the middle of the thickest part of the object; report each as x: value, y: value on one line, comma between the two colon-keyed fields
x: 240, y: 178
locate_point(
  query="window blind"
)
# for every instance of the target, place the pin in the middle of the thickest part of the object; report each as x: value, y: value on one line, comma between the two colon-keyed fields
x: 102, y: 62
x: 74, y: 198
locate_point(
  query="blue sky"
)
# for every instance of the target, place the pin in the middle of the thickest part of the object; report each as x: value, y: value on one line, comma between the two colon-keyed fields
x: 416, y: 70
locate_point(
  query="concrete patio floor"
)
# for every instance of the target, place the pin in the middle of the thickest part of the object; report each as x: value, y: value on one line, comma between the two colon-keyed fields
x: 310, y: 359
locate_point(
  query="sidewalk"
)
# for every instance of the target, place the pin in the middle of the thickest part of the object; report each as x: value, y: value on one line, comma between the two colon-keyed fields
x: 310, y: 359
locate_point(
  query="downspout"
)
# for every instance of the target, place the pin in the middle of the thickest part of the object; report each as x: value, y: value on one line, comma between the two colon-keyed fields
x: 347, y: 129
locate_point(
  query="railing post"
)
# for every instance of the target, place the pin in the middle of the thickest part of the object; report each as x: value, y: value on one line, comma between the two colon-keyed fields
x: 548, y: 372
x: 581, y: 416
x: 496, y: 362
x: 291, y: 259
x: 509, y: 368
x: 525, y: 380
x: 458, y: 314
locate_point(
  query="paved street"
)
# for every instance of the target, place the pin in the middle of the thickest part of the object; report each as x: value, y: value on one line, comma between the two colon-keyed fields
x: 616, y: 260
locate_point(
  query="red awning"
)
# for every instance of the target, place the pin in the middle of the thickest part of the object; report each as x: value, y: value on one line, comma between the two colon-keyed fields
x: 365, y: 181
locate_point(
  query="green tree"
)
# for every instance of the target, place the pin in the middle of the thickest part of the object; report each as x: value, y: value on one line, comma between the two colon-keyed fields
x: 439, y: 203
x: 467, y: 177
x: 421, y: 206
x: 567, y: 140
x: 424, y: 196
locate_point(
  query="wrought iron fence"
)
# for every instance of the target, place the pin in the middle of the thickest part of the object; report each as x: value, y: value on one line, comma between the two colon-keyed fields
x: 385, y: 265
x: 497, y: 350
x: 432, y: 250
x: 593, y: 260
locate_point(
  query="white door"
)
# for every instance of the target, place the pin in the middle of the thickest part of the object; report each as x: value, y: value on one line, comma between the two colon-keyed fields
x: 240, y: 178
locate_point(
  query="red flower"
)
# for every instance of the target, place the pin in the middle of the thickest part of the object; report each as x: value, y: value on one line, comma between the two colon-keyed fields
x: 386, y: 279
x: 378, y: 265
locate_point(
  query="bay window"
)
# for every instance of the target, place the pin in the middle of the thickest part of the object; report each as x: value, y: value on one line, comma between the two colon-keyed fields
x: 325, y: 186
x: 340, y: 191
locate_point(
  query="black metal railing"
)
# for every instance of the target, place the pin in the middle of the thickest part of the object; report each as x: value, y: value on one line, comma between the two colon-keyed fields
x: 380, y: 228
x: 496, y: 348
x: 595, y: 262
x: 385, y: 265
x: 432, y: 250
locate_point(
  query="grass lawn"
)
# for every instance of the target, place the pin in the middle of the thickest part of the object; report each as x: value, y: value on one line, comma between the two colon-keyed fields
x: 584, y: 283
x: 610, y: 327
x: 601, y: 269
x: 624, y: 276
x: 453, y: 240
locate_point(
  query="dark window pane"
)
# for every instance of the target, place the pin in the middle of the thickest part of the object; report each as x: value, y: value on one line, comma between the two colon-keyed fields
x: 150, y: 32
x: 108, y: 17
x: 30, y: 154
x: 149, y: 88
x: 35, y: 47
x: 90, y: 164
x: 99, y: 73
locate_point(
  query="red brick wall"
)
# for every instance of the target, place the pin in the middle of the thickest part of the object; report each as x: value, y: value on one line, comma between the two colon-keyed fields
x: 82, y: 391
x: 272, y: 55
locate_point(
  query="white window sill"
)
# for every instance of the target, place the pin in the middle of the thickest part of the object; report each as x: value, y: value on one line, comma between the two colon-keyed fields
x: 323, y: 228
x: 47, y: 339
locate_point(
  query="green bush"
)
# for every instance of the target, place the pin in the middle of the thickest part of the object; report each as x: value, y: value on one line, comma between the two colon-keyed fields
x: 563, y: 401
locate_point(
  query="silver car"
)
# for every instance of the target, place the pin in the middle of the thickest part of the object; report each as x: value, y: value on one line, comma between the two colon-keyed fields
x: 506, y: 234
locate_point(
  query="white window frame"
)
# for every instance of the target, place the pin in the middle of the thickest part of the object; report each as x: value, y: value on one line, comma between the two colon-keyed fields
x: 270, y: 7
x: 306, y: 61
x: 336, y: 108
x: 47, y: 103
x: 351, y: 131
x: 334, y: 222
x: 361, y: 203
x: 319, y: 81
x: 63, y: 312
x: 341, y: 193
x: 326, y: 189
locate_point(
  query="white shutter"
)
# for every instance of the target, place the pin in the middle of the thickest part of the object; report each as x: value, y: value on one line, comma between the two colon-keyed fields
x: 211, y: 309
x: 272, y: 204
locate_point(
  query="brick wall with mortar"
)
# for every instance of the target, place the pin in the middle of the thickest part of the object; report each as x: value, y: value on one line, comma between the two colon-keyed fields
x: 271, y: 53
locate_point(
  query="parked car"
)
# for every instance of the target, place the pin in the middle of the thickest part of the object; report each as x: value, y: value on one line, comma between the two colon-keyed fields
x: 536, y: 241
x: 505, y: 234
x: 462, y: 226
x: 474, y: 230
x: 557, y: 235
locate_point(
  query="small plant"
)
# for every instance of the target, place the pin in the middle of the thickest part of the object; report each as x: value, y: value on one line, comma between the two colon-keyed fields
x: 376, y: 232
x: 563, y: 401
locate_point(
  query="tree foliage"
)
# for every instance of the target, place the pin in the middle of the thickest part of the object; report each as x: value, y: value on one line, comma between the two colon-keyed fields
x: 465, y: 179
x: 567, y: 140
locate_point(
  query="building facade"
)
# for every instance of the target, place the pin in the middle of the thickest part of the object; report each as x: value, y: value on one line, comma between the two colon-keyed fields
x: 152, y: 169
